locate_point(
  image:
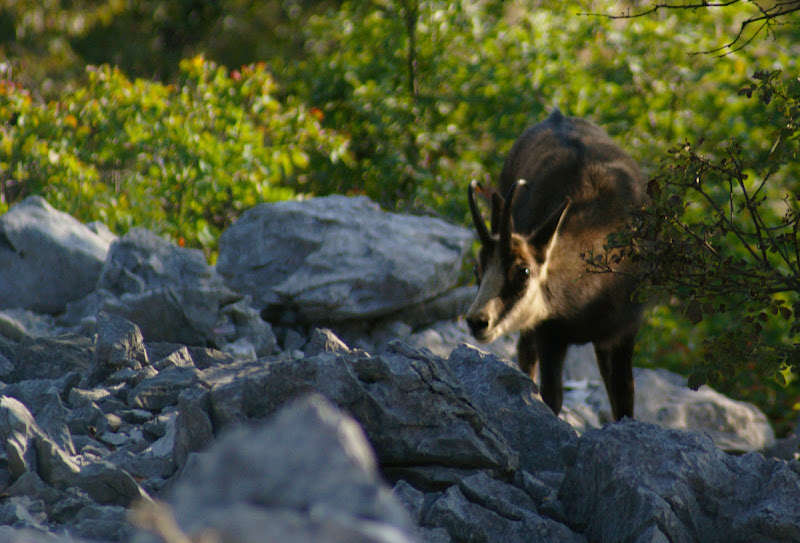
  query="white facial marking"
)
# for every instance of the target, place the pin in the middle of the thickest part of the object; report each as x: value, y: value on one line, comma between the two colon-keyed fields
x: 527, y: 312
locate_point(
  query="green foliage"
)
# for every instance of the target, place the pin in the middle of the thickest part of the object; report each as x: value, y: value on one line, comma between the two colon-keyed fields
x: 183, y: 159
x: 722, y: 235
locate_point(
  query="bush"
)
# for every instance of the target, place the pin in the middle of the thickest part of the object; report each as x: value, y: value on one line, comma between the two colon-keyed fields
x: 182, y: 159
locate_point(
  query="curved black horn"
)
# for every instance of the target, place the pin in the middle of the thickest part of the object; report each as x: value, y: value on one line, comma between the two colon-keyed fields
x: 480, y: 226
x: 507, y: 221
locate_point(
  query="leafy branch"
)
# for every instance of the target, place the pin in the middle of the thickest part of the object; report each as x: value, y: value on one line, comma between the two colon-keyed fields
x: 768, y: 14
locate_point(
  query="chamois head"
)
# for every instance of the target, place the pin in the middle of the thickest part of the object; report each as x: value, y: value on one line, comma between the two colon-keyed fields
x: 511, y: 268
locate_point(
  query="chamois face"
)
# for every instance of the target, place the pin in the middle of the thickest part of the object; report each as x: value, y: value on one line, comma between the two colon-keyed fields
x: 511, y: 270
x: 511, y: 295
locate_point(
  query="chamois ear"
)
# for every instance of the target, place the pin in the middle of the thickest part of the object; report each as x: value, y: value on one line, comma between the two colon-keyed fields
x: 540, y: 239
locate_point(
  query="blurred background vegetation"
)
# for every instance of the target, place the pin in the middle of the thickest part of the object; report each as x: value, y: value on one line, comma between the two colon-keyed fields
x: 177, y: 115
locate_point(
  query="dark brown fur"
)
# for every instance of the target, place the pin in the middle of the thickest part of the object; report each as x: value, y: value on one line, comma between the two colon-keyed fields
x: 580, y: 187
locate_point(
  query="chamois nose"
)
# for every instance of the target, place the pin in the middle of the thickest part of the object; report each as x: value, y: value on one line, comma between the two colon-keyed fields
x: 478, y: 324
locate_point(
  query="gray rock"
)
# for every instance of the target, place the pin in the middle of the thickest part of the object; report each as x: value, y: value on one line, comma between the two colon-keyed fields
x: 101, y: 523
x: 119, y: 345
x: 17, y: 429
x: 23, y: 512
x: 193, y: 430
x: 308, y: 474
x: 468, y: 521
x: 181, y: 358
x: 336, y: 258
x: 51, y: 358
x: 502, y: 498
x: 47, y: 258
x: 108, y: 484
x: 512, y: 405
x: 633, y: 481
x: 385, y: 393
x: 16, y: 323
x: 9, y: 534
x: 323, y: 340
x: 201, y: 356
x: 163, y: 389
x: 84, y: 419
x: 661, y: 397
x: 443, y: 337
x: 43, y: 399
x: 169, y: 292
x: 30, y: 484
x: 412, y: 499
x: 241, y: 321
x: 664, y: 398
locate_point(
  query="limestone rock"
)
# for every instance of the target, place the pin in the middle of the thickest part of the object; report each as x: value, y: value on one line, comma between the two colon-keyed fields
x: 47, y: 258
x: 337, y: 258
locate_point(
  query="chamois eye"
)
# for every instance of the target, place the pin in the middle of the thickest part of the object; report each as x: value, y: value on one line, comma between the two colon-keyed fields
x: 523, y: 273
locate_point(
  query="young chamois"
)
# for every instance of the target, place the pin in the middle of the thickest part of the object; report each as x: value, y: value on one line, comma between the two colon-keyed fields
x: 567, y: 186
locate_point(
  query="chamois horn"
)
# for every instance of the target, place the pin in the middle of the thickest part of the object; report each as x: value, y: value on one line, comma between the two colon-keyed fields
x: 480, y: 226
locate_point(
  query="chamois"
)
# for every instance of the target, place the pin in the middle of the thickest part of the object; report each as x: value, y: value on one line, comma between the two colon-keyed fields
x: 567, y: 186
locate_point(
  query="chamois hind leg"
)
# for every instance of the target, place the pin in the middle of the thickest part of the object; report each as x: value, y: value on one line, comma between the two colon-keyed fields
x: 616, y: 368
x: 551, y: 370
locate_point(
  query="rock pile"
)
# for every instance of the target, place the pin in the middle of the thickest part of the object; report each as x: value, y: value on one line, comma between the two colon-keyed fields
x: 158, y: 404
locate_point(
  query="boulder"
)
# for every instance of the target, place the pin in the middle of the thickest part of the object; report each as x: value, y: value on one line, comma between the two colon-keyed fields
x: 169, y: 292
x: 307, y: 474
x: 662, y: 397
x: 119, y: 345
x: 385, y: 393
x: 633, y: 481
x: 47, y: 258
x: 336, y: 258
x: 511, y: 403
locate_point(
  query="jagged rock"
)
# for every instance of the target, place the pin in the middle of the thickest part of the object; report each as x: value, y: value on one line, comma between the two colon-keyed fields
x: 47, y: 258
x: 324, y: 340
x: 119, y: 345
x: 385, y: 393
x: 163, y: 389
x: 633, y: 481
x: 337, y: 258
x: 193, y: 430
x: 511, y: 402
x: 108, y: 484
x: 469, y: 521
x: 51, y: 358
x: 168, y: 291
x: 662, y: 397
x: 43, y: 398
x: 241, y: 322
x: 101, y: 523
x: 308, y: 474
x: 17, y: 429
x: 23, y: 512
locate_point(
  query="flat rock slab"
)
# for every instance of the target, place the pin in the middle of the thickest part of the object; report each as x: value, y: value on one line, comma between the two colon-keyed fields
x: 336, y: 258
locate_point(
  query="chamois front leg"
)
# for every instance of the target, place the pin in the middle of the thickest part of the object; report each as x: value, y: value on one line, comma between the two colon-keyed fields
x: 526, y: 353
x: 551, y: 356
x: 616, y: 368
